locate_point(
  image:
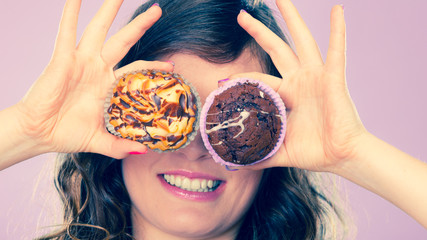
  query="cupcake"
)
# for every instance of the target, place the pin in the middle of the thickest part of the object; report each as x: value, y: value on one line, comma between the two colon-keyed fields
x: 159, y: 109
x: 243, y: 122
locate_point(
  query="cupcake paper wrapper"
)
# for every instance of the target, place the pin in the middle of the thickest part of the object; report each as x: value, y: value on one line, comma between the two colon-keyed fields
x: 190, y: 136
x: 266, y: 89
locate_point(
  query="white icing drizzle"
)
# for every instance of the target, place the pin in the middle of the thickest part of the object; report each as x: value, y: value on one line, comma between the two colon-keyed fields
x: 276, y: 115
x: 231, y: 123
x: 261, y: 93
x: 216, y: 144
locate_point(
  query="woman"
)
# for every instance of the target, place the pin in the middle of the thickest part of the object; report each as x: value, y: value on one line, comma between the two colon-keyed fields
x: 314, y: 92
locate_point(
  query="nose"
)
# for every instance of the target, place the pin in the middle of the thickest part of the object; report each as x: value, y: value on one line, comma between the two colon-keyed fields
x: 196, y: 150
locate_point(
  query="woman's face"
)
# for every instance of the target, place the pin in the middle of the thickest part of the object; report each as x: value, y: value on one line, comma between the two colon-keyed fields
x: 162, y: 211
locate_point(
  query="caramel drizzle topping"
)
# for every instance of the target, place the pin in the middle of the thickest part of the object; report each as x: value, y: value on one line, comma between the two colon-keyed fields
x: 154, y: 108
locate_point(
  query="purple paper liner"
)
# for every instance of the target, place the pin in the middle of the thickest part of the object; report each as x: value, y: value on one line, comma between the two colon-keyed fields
x: 266, y: 89
x: 190, y: 137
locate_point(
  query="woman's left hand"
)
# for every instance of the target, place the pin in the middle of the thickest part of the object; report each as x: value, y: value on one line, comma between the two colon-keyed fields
x: 323, y: 127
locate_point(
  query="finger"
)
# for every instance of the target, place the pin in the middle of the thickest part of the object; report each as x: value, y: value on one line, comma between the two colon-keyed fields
x: 119, y: 44
x: 279, y: 159
x: 115, y: 147
x: 307, y: 50
x: 335, y: 59
x: 96, y: 32
x: 281, y: 86
x: 141, y: 65
x: 66, y: 38
x: 282, y: 55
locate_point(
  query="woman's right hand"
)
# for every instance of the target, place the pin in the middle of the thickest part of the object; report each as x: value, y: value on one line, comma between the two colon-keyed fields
x: 63, y: 110
x: 323, y: 127
x: 324, y: 132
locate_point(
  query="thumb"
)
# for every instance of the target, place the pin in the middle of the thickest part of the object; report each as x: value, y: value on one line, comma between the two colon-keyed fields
x: 279, y: 159
x: 116, y: 147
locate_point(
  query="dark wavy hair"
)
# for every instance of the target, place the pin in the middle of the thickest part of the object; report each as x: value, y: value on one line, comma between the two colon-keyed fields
x: 288, y: 204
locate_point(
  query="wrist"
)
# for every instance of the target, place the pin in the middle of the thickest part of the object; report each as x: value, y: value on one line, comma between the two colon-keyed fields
x: 356, y: 159
x: 370, y: 164
x: 30, y: 126
x: 389, y: 172
x: 19, y: 144
x: 24, y: 123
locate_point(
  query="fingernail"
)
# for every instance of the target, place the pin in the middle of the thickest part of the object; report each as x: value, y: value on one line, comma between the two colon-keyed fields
x: 231, y: 169
x: 155, y: 4
x: 243, y: 10
x: 342, y: 6
x: 137, y: 153
x: 222, y: 81
x: 171, y: 62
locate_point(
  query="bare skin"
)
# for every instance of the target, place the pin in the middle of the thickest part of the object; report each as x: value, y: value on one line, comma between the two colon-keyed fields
x: 324, y: 132
x: 62, y: 112
x: 70, y: 92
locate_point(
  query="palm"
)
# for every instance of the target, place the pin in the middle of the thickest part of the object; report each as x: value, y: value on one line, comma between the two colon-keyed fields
x: 322, y: 124
x: 69, y: 93
x: 83, y: 110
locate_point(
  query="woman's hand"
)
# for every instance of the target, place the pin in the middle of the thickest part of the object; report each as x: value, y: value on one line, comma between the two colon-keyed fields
x: 63, y: 111
x: 323, y: 127
x: 324, y: 132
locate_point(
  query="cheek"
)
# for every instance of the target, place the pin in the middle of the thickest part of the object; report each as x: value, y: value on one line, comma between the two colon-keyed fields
x: 136, y: 179
x: 242, y: 190
x: 133, y: 171
x: 143, y: 189
x: 246, y: 181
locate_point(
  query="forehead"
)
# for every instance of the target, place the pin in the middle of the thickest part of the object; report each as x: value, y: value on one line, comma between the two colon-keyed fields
x: 205, y: 75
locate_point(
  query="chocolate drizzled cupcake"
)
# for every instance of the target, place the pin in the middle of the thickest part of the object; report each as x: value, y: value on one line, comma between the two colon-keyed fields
x: 243, y: 122
x: 159, y: 109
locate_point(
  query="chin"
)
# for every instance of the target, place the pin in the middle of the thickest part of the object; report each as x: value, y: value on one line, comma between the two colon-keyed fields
x: 197, y: 230
x: 191, y: 223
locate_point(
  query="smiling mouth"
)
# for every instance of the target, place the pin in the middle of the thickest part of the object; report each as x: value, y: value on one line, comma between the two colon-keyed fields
x: 192, y: 185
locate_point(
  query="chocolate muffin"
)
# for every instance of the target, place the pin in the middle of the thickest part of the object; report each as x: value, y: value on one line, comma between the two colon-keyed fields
x: 156, y: 108
x: 243, y: 123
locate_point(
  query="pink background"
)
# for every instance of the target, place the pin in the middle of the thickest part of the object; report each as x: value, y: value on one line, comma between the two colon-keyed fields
x: 386, y: 77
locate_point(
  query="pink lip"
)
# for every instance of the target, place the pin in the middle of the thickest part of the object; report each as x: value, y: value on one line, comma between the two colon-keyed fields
x: 189, y: 195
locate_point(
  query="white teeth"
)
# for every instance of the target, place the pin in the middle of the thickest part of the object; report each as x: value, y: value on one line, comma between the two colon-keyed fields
x: 194, y: 185
x: 185, y: 183
x: 178, y: 182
